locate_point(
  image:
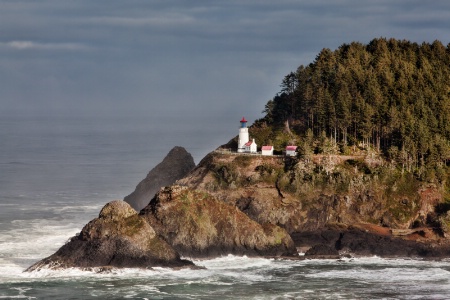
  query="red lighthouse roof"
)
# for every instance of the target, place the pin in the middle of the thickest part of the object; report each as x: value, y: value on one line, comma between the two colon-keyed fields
x: 243, y: 120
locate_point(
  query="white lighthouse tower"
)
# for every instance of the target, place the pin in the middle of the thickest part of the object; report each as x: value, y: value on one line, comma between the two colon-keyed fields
x: 243, y: 135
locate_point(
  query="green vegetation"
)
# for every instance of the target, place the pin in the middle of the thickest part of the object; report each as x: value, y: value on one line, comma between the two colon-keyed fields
x: 389, y: 97
x: 372, y: 126
x: 226, y: 174
x: 133, y: 223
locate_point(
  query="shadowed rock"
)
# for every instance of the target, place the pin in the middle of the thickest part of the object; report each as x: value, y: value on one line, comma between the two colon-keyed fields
x: 119, y: 237
x: 359, y: 241
x: 177, y: 164
x: 322, y: 250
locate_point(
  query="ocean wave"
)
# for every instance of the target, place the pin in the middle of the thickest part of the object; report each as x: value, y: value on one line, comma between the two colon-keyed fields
x: 233, y: 262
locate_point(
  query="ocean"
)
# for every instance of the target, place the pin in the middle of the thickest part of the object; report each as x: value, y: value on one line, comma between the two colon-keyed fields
x: 57, y: 173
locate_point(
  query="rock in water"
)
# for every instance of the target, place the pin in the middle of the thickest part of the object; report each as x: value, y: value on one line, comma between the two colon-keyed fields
x: 198, y: 225
x: 176, y: 165
x: 119, y: 237
x: 322, y: 250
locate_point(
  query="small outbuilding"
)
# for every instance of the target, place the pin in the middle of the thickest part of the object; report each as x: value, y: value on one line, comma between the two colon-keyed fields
x: 267, y: 150
x: 291, y: 150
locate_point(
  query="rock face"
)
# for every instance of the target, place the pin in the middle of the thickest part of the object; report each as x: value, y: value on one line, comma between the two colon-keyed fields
x: 263, y: 206
x: 119, y: 237
x: 198, y: 225
x: 177, y: 221
x: 322, y: 250
x: 177, y: 164
x: 367, y: 241
x: 307, y: 196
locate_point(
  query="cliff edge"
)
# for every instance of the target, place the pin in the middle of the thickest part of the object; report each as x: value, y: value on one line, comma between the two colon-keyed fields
x: 198, y: 225
x: 178, y: 221
x: 355, y: 204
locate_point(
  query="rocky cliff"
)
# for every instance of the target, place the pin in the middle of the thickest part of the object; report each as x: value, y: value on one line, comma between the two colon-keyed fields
x: 198, y: 225
x: 270, y: 206
x: 309, y: 196
x: 178, y: 221
x: 177, y: 164
x: 119, y: 237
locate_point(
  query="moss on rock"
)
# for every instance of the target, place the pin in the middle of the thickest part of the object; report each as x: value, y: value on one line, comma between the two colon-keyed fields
x: 198, y: 225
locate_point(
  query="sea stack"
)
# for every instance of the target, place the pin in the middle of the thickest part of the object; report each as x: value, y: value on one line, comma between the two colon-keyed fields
x: 176, y: 165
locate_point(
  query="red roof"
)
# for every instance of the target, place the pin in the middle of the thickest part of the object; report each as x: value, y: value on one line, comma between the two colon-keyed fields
x: 291, y: 148
x: 249, y: 143
x: 243, y: 120
x: 267, y: 148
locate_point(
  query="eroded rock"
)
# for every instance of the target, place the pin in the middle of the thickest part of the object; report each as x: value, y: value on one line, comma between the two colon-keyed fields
x: 198, y: 225
x: 119, y: 237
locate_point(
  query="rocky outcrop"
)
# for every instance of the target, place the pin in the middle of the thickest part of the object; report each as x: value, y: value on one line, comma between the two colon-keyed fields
x: 177, y: 221
x: 198, y: 225
x: 322, y: 250
x: 363, y: 241
x: 119, y: 237
x: 307, y: 196
x: 176, y: 165
x: 266, y: 206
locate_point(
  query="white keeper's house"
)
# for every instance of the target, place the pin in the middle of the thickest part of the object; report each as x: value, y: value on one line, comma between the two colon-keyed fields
x: 250, y: 147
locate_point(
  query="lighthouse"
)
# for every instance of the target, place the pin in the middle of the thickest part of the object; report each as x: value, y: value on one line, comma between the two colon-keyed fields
x: 243, y: 136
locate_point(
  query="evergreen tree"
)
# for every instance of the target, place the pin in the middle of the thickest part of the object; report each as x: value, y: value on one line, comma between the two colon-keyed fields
x: 391, y: 95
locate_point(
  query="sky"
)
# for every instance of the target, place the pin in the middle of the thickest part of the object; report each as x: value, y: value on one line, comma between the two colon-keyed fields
x: 194, y: 59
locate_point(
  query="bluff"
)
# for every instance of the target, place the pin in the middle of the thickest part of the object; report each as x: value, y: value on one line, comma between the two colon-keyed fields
x: 178, y: 221
x: 198, y: 225
x: 177, y: 164
x: 119, y: 237
x: 358, y: 204
x: 372, y: 174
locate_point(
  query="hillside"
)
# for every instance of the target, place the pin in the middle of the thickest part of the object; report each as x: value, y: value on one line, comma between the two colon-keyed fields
x: 331, y: 196
x: 372, y: 123
x: 389, y: 96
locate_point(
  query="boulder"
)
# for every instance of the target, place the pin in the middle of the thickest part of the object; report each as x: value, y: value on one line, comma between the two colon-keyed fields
x: 119, y: 237
x: 322, y: 251
x: 177, y: 164
x: 198, y: 225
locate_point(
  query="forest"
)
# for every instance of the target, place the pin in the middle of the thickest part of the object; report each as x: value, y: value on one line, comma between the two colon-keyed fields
x: 390, y: 97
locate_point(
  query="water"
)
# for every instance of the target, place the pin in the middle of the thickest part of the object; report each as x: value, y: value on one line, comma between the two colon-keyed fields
x: 56, y: 174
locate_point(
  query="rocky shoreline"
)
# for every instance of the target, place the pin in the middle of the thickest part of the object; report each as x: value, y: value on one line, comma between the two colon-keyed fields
x: 241, y: 205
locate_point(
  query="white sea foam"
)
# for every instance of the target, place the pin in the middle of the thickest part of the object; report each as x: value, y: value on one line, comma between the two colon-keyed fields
x: 229, y: 266
x: 27, y: 241
x: 233, y: 262
x: 418, y: 278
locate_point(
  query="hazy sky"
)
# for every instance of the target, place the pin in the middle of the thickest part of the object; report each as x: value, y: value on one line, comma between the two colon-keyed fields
x: 210, y: 59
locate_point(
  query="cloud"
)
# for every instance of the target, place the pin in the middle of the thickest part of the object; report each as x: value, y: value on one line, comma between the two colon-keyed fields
x: 153, y: 56
x: 165, y: 20
x: 27, y: 45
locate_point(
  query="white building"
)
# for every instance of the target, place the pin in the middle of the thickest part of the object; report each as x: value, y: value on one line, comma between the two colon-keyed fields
x: 291, y: 150
x: 250, y: 147
x: 267, y: 150
x: 243, y: 136
x: 244, y: 142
